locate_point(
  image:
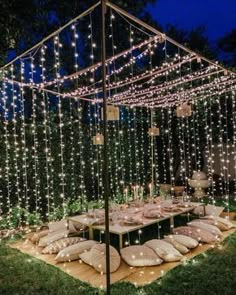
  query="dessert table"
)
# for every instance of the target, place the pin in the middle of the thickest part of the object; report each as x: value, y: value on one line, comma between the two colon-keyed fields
x: 120, y: 229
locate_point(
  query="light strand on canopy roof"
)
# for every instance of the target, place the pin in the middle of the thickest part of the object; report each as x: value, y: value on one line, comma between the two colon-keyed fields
x: 55, y: 33
x: 218, y: 85
x: 164, y: 36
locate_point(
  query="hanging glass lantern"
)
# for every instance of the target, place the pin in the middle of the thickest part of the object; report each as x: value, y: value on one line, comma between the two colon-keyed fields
x: 184, y: 110
x: 98, y: 139
x: 154, y: 131
x: 113, y: 113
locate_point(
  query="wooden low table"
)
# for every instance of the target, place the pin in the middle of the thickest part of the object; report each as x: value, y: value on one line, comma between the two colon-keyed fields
x: 120, y: 230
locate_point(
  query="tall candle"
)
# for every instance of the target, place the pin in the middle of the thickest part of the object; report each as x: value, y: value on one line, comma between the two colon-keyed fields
x: 141, y: 193
x: 137, y: 190
x: 126, y: 195
x: 150, y: 188
x: 134, y: 188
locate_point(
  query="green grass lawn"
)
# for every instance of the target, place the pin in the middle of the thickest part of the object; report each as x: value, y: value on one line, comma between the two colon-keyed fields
x: 211, y: 273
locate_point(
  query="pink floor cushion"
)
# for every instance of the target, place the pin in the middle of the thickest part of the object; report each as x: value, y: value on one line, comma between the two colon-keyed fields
x: 208, y: 227
x: 196, y: 233
x: 181, y: 248
x: 185, y: 241
x: 61, y: 244
x: 72, y: 252
x: 140, y: 256
x: 164, y: 250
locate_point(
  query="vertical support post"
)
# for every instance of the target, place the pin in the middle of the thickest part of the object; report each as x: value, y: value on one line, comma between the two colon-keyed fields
x: 105, y: 148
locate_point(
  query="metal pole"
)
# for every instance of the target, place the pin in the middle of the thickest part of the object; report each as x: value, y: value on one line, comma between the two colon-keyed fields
x: 105, y: 149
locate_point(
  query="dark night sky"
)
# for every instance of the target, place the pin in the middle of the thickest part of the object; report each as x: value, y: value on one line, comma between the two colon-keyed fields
x: 218, y: 16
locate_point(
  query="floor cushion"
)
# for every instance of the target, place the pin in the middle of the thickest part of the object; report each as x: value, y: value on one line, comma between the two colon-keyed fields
x: 62, y: 225
x: 164, y: 250
x: 35, y: 237
x: 72, y: 252
x: 52, y: 237
x: 61, y: 244
x: 185, y: 241
x: 209, y: 210
x: 140, y: 256
x: 208, y: 227
x: 181, y: 248
x: 198, y: 234
x: 225, y: 221
x: 214, y: 222
x: 86, y: 258
x: 97, y: 258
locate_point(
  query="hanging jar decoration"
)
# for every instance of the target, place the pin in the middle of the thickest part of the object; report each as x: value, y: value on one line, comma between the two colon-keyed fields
x: 153, y: 131
x: 184, y: 110
x: 113, y: 113
x: 98, y: 139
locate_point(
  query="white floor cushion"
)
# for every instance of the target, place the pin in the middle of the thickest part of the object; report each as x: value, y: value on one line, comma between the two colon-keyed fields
x: 164, y: 250
x: 61, y: 244
x: 72, y: 252
x: 181, y: 248
x: 185, y: 241
x: 208, y: 227
x: 140, y: 256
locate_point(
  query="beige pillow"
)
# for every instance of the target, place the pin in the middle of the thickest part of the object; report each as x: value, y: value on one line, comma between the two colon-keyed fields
x: 140, y: 256
x: 185, y: 241
x: 208, y: 227
x: 181, y: 248
x: 61, y: 244
x: 209, y: 210
x: 52, y: 237
x: 61, y: 225
x: 72, y: 252
x: 222, y: 220
x: 86, y: 258
x: 35, y: 237
x: 98, y: 258
x: 164, y: 250
x: 214, y: 222
x: 196, y: 233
